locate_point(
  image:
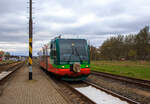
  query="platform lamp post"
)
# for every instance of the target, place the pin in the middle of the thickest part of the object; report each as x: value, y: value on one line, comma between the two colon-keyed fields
x: 30, y: 39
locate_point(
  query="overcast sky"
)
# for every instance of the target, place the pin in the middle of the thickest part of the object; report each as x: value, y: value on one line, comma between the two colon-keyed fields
x: 94, y: 20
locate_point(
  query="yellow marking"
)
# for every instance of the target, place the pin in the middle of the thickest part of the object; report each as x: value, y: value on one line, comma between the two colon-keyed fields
x: 30, y: 49
x: 30, y: 60
x: 30, y: 39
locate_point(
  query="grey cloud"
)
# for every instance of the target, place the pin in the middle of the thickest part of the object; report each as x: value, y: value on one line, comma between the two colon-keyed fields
x: 12, y: 6
x: 134, y: 25
x: 22, y: 38
x: 56, y: 19
x: 114, y: 19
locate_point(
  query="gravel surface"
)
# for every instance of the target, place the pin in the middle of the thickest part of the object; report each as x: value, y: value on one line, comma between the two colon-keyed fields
x: 131, y: 91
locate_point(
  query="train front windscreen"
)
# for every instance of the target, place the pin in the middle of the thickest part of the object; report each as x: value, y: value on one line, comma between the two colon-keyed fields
x: 73, y: 50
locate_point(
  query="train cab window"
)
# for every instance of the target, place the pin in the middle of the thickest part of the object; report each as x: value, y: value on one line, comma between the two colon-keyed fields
x: 73, y: 50
x: 51, y: 46
x: 53, y: 50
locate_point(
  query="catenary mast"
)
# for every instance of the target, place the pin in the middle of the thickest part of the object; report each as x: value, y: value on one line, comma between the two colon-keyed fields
x: 30, y: 39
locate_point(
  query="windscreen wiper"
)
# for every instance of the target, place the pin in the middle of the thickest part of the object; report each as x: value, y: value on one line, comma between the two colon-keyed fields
x: 73, y: 53
x: 78, y: 54
x: 70, y: 56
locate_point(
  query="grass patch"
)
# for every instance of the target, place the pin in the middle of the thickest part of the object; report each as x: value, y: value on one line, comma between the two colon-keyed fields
x: 136, y: 69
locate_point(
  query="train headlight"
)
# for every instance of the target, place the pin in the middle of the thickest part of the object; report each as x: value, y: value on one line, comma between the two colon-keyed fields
x: 63, y: 66
x: 87, y: 66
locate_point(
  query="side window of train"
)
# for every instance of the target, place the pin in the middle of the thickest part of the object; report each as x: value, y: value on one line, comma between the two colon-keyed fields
x: 55, y: 54
x: 54, y: 51
x: 51, y: 45
x: 51, y: 50
x: 43, y: 55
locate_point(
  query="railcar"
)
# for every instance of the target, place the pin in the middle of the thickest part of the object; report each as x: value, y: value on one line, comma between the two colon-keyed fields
x: 67, y: 58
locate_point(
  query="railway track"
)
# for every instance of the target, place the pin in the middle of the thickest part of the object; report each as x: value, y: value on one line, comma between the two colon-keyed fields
x: 3, y: 64
x: 139, y: 82
x: 69, y: 91
x: 130, y: 101
x: 87, y: 100
x: 8, y: 72
x: 8, y: 66
x: 87, y: 83
x: 81, y: 98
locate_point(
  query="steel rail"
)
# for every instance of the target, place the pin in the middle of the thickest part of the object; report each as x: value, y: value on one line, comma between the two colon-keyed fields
x: 140, y: 82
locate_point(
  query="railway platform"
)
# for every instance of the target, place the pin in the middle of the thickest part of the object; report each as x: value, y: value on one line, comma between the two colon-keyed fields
x: 41, y: 90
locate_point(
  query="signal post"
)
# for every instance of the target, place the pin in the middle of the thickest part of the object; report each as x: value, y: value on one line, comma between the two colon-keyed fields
x: 30, y: 39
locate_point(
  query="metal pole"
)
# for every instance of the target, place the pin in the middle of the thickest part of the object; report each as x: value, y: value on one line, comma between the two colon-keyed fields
x: 30, y: 40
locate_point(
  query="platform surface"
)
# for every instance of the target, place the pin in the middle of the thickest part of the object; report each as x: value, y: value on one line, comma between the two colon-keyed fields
x: 19, y: 90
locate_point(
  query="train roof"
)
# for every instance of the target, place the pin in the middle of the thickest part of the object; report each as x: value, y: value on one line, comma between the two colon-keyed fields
x: 67, y: 39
